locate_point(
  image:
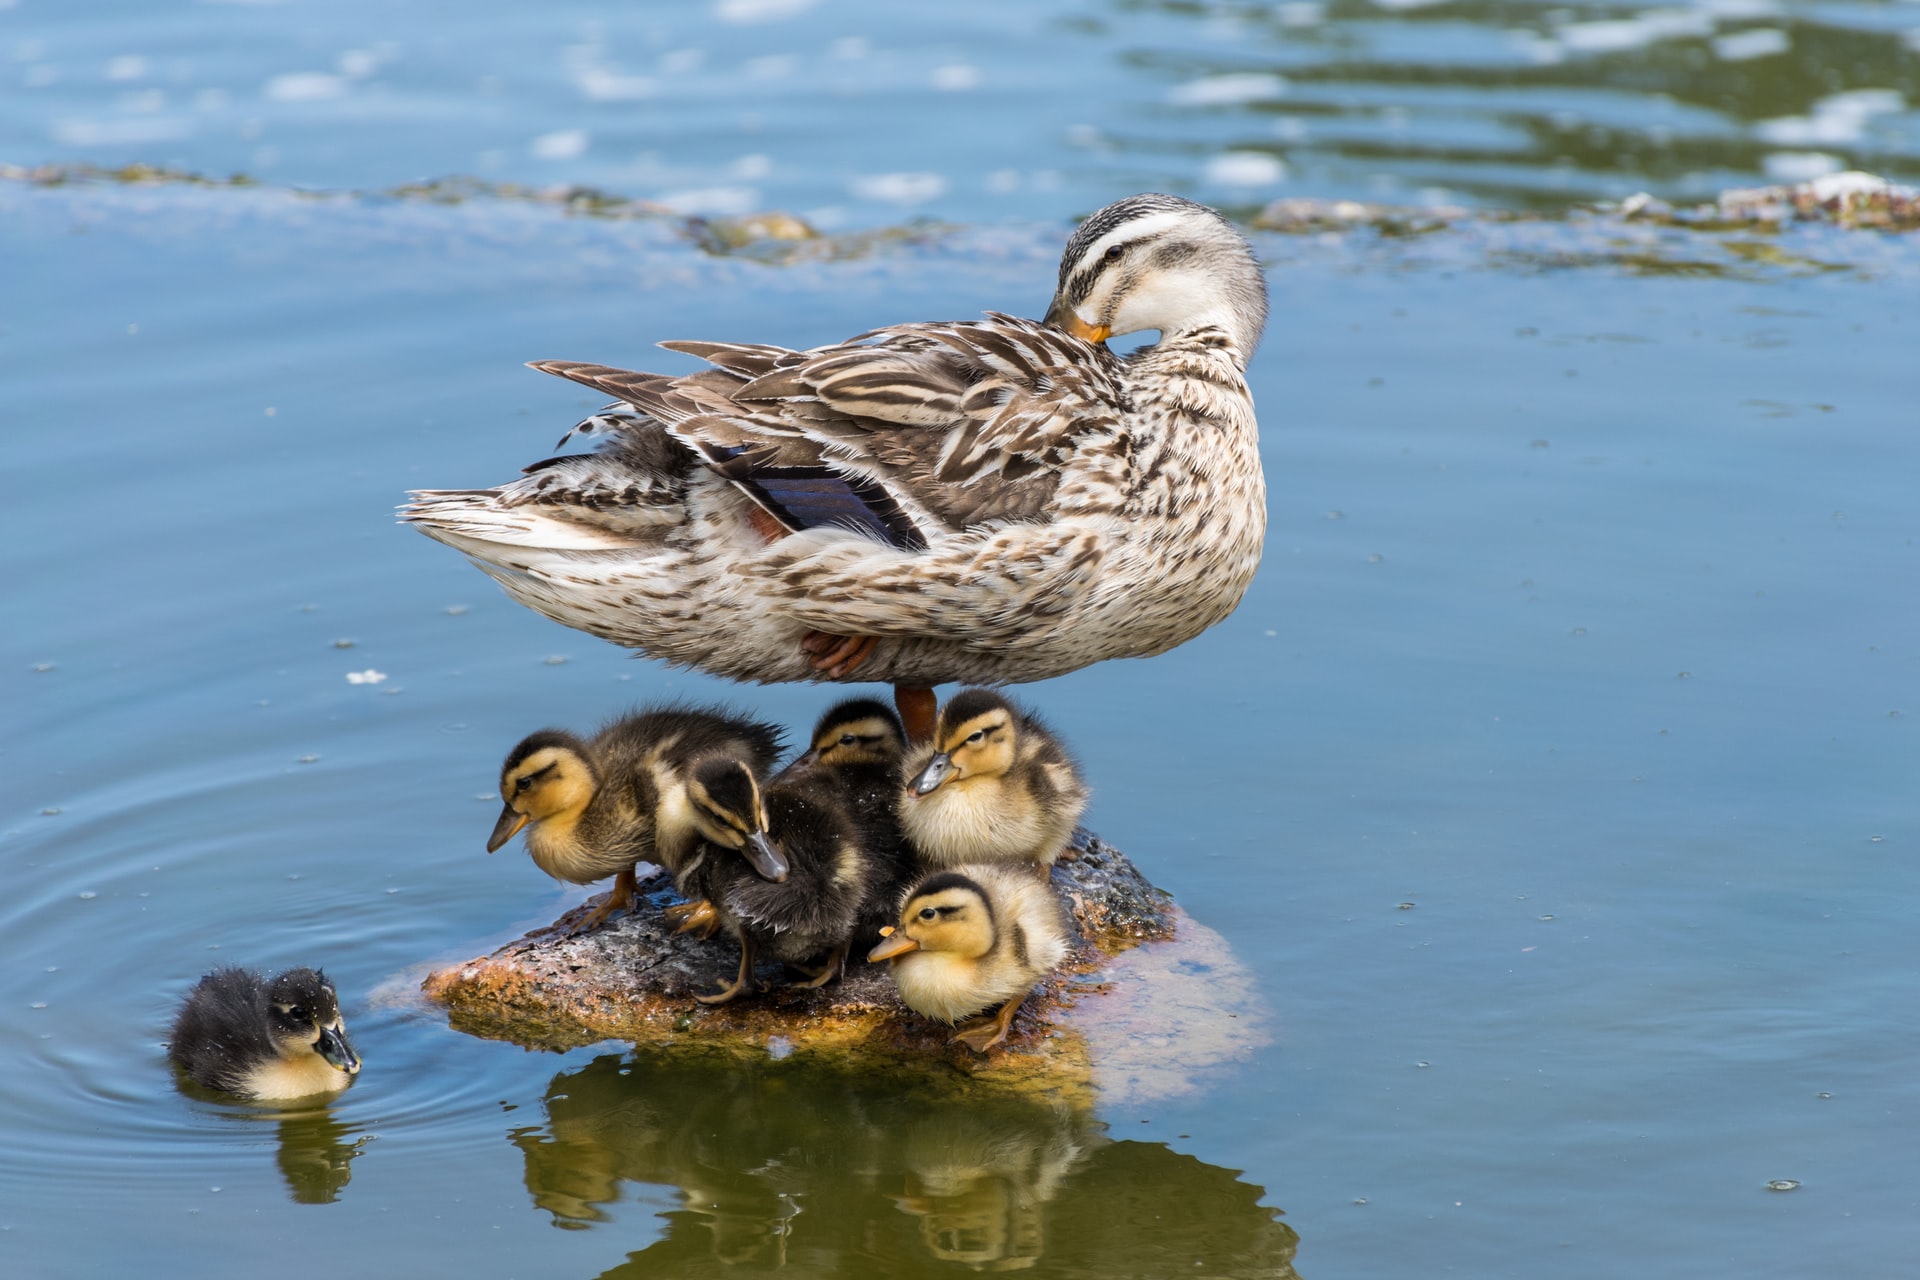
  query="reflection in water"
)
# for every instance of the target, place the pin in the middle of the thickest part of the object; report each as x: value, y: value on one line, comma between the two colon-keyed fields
x: 781, y: 1167
x: 315, y: 1153
x: 315, y: 1150
x: 1538, y: 105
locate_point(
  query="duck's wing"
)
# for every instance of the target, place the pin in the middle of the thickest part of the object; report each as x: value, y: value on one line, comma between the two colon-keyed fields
x: 633, y: 485
x: 905, y: 433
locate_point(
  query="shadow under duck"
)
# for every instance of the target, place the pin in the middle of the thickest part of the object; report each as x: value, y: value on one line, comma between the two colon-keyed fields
x: 266, y: 1039
x: 596, y: 807
x: 999, y: 500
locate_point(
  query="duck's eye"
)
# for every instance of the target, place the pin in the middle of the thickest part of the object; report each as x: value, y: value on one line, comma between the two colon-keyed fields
x: 1114, y: 251
x: 848, y: 739
x: 978, y: 735
x: 523, y: 783
x: 297, y: 1013
x: 928, y: 913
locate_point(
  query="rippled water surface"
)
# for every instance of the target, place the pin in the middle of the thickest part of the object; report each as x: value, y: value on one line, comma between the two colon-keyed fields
x: 1556, y: 780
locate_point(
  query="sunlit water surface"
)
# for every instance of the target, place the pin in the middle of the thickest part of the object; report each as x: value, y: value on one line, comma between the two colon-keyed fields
x: 1556, y: 778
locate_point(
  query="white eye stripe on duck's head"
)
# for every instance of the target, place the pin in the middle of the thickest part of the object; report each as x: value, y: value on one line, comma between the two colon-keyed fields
x: 1180, y: 267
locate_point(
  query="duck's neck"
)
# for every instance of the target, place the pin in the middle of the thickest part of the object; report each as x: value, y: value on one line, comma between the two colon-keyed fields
x: 675, y: 834
x: 1200, y: 370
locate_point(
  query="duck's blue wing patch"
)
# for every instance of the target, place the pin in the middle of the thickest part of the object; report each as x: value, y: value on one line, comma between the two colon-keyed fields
x: 819, y: 497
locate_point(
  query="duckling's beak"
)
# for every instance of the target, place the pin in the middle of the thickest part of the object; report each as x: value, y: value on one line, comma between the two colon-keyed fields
x: 896, y: 944
x: 937, y: 771
x: 336, y: 1049
x: 1061, y: 316
x: 507, y: 828
x: 766, y: 857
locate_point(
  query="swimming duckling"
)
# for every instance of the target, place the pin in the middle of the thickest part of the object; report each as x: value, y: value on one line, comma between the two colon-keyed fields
x: 973, y: 937
x: 595, y: 807
x: 994, y: 785
x: 854, y: 756
x: 784, y: 868
x: 242, y: 1034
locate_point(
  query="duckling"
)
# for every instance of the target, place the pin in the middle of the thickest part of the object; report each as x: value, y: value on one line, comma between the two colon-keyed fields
x: 972, y: 937
x: 994, y: 785
x: 854, y: 755
x: 596, y: 807
x: 784, y: 868
x: 255, y: 1038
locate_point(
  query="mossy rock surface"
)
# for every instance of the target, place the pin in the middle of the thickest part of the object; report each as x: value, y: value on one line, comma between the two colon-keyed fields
x: 1147, y: 1003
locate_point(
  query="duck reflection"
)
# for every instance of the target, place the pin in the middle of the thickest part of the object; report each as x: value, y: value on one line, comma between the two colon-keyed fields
x: 782, y: 1167
x: 316, y: 1150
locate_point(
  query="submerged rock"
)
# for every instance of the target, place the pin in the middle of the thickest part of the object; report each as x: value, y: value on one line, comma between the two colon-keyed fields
x: 1147, y: 1002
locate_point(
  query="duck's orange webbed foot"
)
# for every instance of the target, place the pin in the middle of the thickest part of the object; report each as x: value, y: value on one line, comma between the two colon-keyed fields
x: 697, y: 918
x: 626, y: 887
x: 837, y: 656
x: 742, y: 984
x: 836, y: 965
x: 985, y: 1035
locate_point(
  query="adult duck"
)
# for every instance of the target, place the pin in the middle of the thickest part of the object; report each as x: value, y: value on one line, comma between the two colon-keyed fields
x: 991, y: 501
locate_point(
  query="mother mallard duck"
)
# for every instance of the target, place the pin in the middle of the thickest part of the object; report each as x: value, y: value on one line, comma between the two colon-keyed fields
x: 991, y: 501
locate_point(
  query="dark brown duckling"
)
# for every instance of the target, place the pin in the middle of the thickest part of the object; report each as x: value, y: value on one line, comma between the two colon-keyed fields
x: 255, y: 1038
x: 784, y: 868
x: 596, y: 807
x: 853, y: 756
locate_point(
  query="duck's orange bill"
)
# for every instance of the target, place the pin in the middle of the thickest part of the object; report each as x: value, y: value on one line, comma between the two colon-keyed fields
x: 896, y: 944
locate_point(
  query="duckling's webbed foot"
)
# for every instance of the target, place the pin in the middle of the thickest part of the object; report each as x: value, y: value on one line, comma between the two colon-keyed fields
x: 984, y: 1035
x: 837, y: 656
x: 836, y: 966
x: 626, y: 886
x: 694, y: 917
x: 742, y: 984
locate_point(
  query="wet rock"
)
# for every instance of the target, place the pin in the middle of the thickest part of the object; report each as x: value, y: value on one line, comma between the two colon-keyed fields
x: 1144, y: 983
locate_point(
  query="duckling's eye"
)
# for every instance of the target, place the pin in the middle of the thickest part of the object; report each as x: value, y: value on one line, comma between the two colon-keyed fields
x: 848, y: 739
x: 978, y: 735
x: 523, y: 783
x: 928, y: 913
x: 1114, y: 251
x: 298, y: 1013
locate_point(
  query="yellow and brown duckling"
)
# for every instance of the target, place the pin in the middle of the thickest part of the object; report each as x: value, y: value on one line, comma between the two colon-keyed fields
x: 971, y: 938
x: 255, y: 1038
x: 783, y: 867
x: 595, y: 807
x: 994, y: 785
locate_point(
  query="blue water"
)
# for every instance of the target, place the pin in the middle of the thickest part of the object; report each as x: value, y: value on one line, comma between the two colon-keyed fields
x: 1556, y: 778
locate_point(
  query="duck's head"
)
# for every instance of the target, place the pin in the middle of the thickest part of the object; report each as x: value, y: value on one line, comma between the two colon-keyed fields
x: 728, y: 811
x: 857, y: 731
x: 1159, y: 262
x: 948, y: 913
x: 303, y: 1017
x: 975, y: 738
x: 547, y: 776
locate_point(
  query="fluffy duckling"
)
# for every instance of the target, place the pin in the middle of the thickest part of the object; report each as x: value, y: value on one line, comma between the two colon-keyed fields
x: 994, y: 785
x: 784, y: 868
x: 854, y: 756
x: 595, y: 807
x: 973, y: 937
x: 244, y: 1035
